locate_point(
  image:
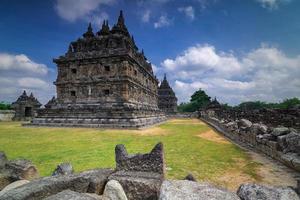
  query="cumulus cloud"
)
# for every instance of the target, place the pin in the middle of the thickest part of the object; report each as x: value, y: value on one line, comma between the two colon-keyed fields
x: 265, y: 73
x: 18, y: 73
x: 188, y: 11
x: 146, y: 16
x: 162, y: 22
x: 272, y: 4
x: 87, y: 10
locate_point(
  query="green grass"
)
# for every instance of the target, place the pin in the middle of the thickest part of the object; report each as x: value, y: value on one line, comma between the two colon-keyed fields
x: 185, y: 152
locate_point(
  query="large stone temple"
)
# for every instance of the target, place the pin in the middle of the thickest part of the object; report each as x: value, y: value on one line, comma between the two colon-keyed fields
x: 103, y: 81
x: 167, y: 100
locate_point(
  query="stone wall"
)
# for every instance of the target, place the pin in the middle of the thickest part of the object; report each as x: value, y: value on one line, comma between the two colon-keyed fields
x: 183, y: 115
x: 269, y: 117
x: 280, y: 143
x: 6, y: 115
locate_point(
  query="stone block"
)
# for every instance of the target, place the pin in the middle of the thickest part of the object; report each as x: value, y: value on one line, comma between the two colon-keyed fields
x: 183, y: 189
x: 47, y: 186
x: 254, y: 192
x: 280, y: 131
x: 71, y: 195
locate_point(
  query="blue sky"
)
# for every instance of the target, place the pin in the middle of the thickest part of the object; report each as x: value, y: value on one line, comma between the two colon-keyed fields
x: 237, y: 50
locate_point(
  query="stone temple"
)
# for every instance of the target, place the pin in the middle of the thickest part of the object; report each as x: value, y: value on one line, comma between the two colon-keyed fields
x: 103, y: 81
x: 25, y: 107
x: 167, y: 100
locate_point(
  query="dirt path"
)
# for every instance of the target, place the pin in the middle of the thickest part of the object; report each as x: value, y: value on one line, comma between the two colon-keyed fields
x: 270, y: 172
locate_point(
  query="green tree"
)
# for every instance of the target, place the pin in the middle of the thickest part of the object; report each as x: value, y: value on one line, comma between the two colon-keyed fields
x: 198, y: 100
x: 5, y: 106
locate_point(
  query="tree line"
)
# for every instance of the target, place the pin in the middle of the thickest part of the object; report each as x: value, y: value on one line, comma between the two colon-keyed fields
x: 201, y: 100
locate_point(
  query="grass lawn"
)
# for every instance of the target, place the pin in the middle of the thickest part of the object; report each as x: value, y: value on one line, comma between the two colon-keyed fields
x: 190, y: 147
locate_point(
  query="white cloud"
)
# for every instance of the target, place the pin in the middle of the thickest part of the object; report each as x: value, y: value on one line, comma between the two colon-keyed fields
x: 19, y: 72
x: 272, y: 4
x: 162, y: 22
x: 146, y: 16
x: 188, y: 11
x: 87, y: 10
x: 265, y: 73
x: 20, y: 63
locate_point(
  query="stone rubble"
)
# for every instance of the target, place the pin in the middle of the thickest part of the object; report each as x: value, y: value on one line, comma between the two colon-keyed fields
x: 14, y: 170
x: 137, y: 176
x: 280, y: 143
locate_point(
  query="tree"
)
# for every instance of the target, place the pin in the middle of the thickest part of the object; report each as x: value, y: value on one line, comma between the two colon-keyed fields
x: 5, y: 106
x: 198, y: 100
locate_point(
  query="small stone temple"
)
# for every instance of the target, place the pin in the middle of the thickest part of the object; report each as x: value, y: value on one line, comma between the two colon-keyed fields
x: 25, y: 107
x: 167, y: 100
x: 103, y: 81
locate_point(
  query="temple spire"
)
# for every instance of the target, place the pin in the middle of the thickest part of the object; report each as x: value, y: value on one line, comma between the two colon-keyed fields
x: 24, y: 93
x: 121, y: 21
x: 89, y: 32
x: 165, y: 76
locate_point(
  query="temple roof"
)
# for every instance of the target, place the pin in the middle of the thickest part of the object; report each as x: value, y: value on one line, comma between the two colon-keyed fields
x: 24, y: 98
x: 165, y: 84
x: 106, y: 42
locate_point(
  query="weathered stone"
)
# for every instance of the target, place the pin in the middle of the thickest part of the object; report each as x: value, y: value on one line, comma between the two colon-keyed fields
x: 259, y: 128
x: 139, y: 185
x: 298, y: 186
x: 182, y: 189
x: 69, y: 194
x: 21, y: 169
x: 3, y: 159
x: 280, y: 131
x: 45, y: 187
x: 5, y: 179
x: 244, y: 123
x: 292, y: 142
x: 114, y: 191
x: 231, y: 126
x: 190, y: 177
x: 63, y: 169
x: 149, y: 162
x: 140, y: 175
x: 255, y: 192
x: 13, y: 185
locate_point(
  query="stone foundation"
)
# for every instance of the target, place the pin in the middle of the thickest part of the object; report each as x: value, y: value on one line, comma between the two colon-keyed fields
x: 96, y: 116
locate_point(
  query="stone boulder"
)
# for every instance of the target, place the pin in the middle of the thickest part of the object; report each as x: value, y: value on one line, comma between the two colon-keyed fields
x: 231, y: 126
x: 71, y: 195
x: 183, y: 189
x: 63, y: 169
x: 255, y: 192
x: 21, y: 169
x: 92, y: 181
x: 15, y: 170
x: 259, y: 129
x: 13, y: 185
x: 280, y: 131
x: 114, y: 191
x: 289, y: 142
x: 244, y: 123
x: 291, y: 159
